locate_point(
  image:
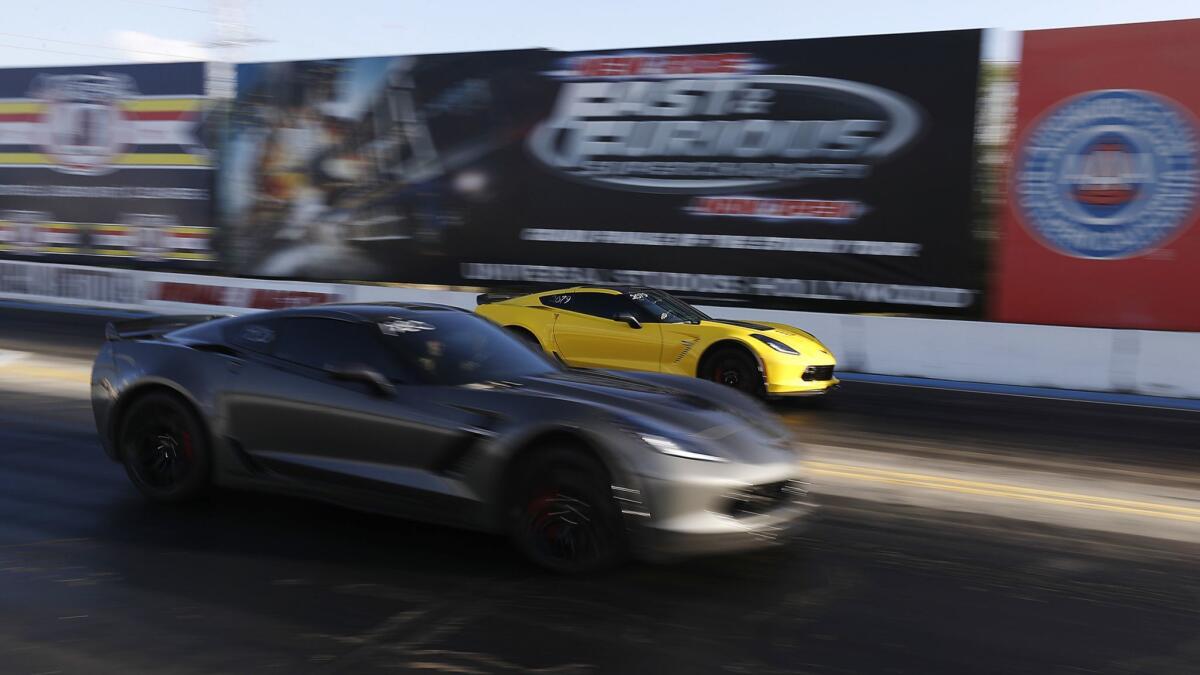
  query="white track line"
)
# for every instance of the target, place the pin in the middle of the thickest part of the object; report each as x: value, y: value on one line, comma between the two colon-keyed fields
x: 8, y: 356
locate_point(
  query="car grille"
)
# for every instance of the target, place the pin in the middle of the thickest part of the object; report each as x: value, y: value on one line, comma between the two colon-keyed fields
x: 819, y: 373
x: 759, y: 499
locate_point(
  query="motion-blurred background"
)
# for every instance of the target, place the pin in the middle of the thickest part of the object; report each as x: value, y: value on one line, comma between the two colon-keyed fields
x: 994, y: 230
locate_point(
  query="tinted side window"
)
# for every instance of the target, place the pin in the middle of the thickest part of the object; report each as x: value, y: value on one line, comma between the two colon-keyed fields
x: 562, y: 300
x: 662, y: 308
x: 604, y: 305
x: 319, y: 342
x: 453, y: 348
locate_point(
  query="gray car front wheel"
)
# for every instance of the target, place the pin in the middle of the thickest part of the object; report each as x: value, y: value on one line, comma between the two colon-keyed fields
x: 566, y: 518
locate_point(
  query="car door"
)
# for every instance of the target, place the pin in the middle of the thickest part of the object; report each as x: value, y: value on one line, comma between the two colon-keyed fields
x: 340, y: 437
x: 587, y: 335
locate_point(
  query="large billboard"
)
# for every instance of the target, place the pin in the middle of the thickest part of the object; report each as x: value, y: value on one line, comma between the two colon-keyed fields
x: 823, y: 174
x: 380, y: 168
x: 105, y: 165
x: 1100, y: 223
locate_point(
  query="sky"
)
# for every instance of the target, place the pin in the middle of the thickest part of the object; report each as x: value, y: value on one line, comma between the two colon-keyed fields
x: 66, y: 32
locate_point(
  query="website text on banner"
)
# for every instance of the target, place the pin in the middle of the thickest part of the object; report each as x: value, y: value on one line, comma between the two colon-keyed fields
x: 827, y: 174
x: 1100, y: 228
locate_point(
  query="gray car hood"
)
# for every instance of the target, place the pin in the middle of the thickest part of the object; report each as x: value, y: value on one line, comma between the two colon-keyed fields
x: 731, y: 432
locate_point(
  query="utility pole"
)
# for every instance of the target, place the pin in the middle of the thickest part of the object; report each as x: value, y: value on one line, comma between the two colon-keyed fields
x: 232, y: 34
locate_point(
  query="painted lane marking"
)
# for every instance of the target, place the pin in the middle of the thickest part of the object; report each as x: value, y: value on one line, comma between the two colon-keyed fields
x: 1011, y: 492
x: 9, y: 356
x: 46, y: 372
x: 16, y: 364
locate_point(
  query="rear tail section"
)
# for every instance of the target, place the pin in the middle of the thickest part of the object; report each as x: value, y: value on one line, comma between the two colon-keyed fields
x: 154, y: 326
x: 498, y: 296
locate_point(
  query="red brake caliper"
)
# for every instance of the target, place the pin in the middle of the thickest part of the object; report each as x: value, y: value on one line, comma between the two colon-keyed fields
x: 537, y: 507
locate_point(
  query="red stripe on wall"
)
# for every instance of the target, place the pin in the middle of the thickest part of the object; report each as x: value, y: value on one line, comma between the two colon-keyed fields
x: 159, y: 115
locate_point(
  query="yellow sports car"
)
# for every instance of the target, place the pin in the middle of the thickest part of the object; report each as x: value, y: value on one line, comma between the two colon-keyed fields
x: 648, y: 329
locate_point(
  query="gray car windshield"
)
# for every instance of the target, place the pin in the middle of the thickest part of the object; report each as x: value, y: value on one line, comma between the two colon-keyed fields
x: 665, y: 308
x: 453, y: 348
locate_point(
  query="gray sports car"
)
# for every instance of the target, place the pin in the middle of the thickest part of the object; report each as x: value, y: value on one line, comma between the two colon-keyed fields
x: 434, y: 413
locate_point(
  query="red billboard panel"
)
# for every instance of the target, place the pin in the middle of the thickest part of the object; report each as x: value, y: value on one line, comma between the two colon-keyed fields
x: 1100, y: 227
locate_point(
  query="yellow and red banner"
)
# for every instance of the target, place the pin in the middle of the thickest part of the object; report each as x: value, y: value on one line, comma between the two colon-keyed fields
x: 106, y: 163
x: 146, y: 240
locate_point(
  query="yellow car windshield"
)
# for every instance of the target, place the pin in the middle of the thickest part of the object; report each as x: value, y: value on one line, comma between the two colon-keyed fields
x: 665, y: 308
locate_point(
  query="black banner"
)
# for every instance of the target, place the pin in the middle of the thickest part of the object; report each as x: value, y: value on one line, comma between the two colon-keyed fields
x: 818, y: 174
x: 105, y: 165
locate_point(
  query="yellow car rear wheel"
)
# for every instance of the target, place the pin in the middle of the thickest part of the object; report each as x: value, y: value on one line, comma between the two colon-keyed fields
x: 525, y: 336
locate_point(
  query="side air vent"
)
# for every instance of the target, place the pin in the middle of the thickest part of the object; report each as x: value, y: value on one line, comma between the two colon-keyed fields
x: 687, y: 348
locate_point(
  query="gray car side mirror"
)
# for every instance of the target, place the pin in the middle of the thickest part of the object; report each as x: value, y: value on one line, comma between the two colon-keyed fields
x: 357, y: 372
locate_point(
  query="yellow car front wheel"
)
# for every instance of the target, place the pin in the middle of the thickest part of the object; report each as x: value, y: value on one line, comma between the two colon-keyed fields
x: 735, y: 368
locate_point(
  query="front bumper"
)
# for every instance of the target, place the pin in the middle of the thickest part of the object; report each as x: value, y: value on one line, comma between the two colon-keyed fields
x: 802, y: 388
x: 800, y: 377
x: 665, y: 544
x: 693, y: 517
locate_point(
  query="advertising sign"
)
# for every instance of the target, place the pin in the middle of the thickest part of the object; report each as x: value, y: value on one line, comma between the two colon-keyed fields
x: 373, y: 168
x: 1099, y: 229
x: 828, y: 173
x: 822, y: 174
x: 105, y: 165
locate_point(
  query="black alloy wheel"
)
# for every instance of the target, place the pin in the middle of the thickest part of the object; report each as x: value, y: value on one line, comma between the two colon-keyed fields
x: 163, y: 448
x: 734, y: 368
x: 567, y: 520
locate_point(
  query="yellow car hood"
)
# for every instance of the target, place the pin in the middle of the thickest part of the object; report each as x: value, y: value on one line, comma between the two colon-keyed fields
x: 793, y: 337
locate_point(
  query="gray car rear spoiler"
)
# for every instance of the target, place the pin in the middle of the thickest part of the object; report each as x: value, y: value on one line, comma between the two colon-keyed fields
x: 154, y: 326
x: 498, y: 296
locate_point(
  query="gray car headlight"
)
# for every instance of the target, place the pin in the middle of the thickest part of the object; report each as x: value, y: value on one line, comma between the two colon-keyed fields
x: 669, y: 447
x: 775, y: 344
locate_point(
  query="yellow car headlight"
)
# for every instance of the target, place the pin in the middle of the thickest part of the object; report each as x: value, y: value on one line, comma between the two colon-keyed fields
x: 775, y: 344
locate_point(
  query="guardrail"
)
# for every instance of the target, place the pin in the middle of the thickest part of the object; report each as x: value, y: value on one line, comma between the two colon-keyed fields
x: 1154, y: 363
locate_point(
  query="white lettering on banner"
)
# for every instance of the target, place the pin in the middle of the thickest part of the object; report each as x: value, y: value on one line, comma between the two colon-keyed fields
x: 727, y: 241
x: 813, y: 289
x: 236, y: 296
x: 608, y: 131
x: 71, y: 283
x: 102, y: 192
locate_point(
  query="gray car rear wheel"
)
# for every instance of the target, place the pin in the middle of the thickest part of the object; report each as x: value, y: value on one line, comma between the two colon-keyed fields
x: 164, y: 449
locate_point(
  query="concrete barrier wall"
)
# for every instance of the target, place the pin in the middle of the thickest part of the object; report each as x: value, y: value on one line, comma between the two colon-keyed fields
x: 1153, y: 363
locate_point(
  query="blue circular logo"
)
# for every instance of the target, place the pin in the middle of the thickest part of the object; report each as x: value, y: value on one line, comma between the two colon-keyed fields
x: 1108, y: 174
